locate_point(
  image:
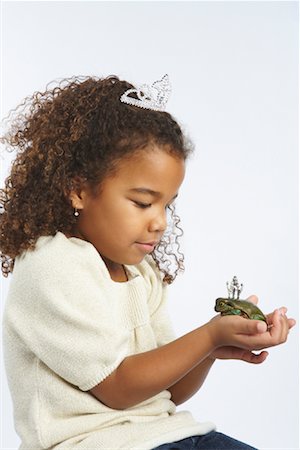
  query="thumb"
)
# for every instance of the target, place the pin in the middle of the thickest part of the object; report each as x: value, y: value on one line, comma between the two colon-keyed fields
x: 253, y: 299
x: 254, y: 326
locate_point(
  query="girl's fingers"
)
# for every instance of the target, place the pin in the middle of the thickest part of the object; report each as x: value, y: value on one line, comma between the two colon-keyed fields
x: 275, y: 324
x: 253, y: 299
x: 255, y: 358
x: 292, y: 323
x: 281, y: 325
x: 251, y: 327
x: 256, y: 334
x: 283, y: 310
x: 259, y: 336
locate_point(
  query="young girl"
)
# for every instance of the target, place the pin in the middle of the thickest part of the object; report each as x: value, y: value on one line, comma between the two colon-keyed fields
x: 89, y: 230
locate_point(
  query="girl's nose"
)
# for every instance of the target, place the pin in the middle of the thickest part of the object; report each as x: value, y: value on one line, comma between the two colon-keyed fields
x: 159, y: 222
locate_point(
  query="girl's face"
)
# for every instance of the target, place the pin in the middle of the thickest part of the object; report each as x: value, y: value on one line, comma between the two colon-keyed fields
x: 127, y: 218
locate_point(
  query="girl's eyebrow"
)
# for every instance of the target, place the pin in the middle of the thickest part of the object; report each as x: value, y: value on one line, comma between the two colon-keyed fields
x: 143, y: 190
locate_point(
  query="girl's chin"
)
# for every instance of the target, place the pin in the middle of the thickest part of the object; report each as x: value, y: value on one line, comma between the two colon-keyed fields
x: 126, y: 261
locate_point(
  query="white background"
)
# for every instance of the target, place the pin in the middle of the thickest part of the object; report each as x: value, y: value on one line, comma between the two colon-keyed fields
x: 234, y: 71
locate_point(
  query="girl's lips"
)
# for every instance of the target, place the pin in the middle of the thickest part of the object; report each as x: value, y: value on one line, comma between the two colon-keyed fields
x: 147, y: 247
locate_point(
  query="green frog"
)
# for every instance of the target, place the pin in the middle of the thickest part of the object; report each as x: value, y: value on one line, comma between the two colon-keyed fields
x: 233, y: 304
x: 242, y: 308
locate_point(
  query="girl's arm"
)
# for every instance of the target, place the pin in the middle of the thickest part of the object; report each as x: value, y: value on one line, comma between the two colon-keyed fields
x: 144, y: 375
x: 192, y: 382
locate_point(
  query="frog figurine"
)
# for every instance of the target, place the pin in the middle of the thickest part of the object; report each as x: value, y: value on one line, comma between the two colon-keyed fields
x: 233, y: 304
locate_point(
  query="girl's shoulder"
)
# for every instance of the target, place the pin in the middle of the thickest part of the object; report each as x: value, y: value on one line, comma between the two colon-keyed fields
x: 58, y: 254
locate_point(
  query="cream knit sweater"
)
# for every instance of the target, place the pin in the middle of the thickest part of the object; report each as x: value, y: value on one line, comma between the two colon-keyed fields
x: 66, y: 327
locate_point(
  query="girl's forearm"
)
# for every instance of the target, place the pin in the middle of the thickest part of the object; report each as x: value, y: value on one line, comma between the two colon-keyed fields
x: 144, y: 375
x: 190, y: 383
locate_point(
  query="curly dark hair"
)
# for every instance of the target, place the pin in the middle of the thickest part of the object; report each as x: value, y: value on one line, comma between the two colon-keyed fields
x: 77, y: 130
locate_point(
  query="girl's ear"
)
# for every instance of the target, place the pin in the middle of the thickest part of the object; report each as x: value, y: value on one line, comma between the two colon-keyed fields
x: 76, y: 200
x: 76, y: 192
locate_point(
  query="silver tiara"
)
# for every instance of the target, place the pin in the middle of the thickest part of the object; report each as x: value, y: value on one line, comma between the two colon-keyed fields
x: 150, y: 97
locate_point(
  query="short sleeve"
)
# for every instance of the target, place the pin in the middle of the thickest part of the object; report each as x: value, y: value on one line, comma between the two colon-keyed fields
x: 63, y: 315
x: 158, y: 304
x: 161, y: 321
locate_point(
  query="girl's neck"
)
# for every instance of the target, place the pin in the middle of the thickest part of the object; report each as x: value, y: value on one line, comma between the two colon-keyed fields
x: 117, y: 271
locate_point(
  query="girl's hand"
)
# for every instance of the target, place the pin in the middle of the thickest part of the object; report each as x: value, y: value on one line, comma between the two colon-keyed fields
x: 239, y: 353
x: 235, y: 331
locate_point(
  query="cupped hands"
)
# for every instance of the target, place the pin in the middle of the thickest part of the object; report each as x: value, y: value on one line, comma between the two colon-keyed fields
x: 234, y: 337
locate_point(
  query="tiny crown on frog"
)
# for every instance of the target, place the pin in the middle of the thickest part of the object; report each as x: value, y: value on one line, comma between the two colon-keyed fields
x: 234, y: 289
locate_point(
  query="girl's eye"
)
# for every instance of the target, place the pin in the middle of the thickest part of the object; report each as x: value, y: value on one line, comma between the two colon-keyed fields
x: 142, y: 205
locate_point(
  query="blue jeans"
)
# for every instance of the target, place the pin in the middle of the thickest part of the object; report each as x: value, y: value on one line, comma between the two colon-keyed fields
x: 209, y: 441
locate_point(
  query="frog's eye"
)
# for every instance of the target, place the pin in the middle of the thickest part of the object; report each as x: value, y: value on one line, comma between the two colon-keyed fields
x: 221, y: 303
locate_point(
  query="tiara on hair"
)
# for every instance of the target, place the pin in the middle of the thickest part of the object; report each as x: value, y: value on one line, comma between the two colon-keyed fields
x: 153, y: 97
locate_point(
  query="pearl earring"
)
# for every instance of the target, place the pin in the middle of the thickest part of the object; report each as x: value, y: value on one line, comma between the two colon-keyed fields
x: 76, y: 213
